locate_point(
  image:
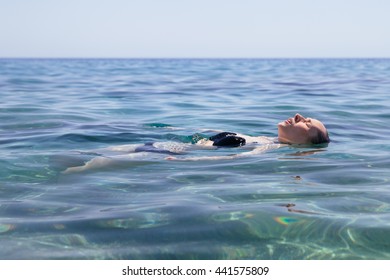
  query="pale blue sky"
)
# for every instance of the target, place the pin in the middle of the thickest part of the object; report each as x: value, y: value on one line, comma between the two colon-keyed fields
x: 195, y: 28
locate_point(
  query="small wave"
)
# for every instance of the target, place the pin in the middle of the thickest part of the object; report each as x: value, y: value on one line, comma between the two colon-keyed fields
x: 158, y: 125
x: 25, y: 81
x: 112, y: 138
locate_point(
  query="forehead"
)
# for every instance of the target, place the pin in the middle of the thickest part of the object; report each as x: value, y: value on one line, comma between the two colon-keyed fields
x: 319, y: 125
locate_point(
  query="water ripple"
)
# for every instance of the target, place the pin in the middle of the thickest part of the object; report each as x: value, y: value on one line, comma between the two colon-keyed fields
x: 292, y: 203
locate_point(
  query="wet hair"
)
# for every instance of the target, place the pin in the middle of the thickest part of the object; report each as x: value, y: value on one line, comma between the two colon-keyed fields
x: 320, y: 138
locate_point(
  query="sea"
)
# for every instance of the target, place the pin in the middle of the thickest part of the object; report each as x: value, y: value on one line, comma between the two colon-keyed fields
x: 297, y: 202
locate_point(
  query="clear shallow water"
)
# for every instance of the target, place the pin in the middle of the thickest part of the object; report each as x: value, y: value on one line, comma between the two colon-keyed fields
x: 289, y: 203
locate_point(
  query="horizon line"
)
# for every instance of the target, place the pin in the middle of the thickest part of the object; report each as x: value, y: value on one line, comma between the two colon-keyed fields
x: 192, y: 58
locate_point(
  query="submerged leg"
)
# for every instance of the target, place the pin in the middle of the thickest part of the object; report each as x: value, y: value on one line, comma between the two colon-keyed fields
x: 97, y: 162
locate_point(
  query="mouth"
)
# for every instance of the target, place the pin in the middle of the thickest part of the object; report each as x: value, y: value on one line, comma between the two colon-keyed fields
x: 289, y: 121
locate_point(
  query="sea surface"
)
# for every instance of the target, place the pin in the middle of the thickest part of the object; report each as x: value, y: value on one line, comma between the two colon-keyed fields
x: 295, y: 202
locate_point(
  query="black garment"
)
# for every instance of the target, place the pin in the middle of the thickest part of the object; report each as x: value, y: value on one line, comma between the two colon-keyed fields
x: 227, y: 139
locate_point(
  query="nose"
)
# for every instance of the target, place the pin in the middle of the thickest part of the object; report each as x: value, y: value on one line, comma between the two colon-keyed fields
x: 298, y: 118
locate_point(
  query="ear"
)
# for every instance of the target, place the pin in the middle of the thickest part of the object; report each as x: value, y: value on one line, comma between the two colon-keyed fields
x: 313, y: 132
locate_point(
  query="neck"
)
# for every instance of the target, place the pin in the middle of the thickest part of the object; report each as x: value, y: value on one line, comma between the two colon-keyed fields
x: 283, y: 140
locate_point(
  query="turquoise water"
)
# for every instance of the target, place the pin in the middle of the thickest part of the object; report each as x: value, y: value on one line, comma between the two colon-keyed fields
x: 289, y: 203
